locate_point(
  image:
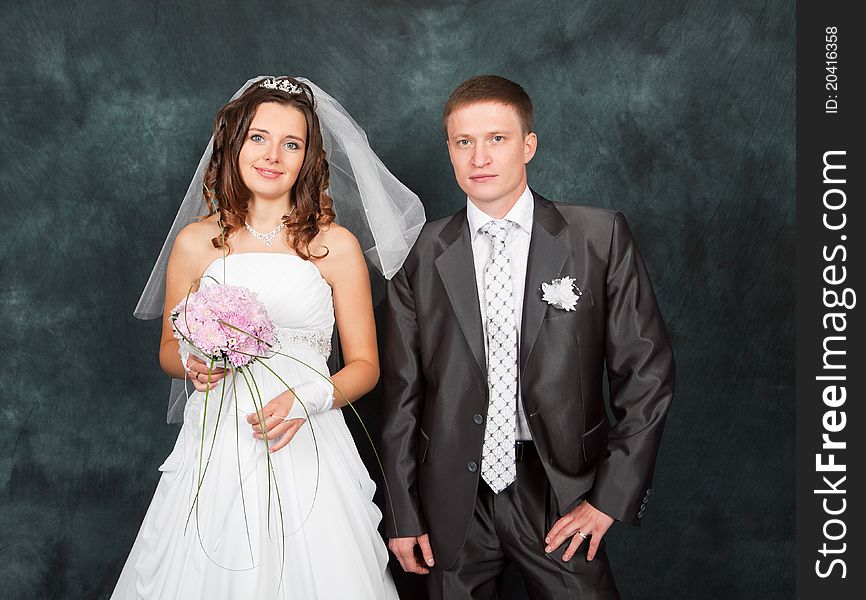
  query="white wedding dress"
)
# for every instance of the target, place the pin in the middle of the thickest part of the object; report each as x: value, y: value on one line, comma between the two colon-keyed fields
x: 314, y: 535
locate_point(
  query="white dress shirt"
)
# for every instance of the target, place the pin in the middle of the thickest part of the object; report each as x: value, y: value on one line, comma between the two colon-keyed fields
x: 518, y: 252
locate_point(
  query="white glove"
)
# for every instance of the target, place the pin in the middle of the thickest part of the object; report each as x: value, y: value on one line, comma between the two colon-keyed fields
x: 317, y: 396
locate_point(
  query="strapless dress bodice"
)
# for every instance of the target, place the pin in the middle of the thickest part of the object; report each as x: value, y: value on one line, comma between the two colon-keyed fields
x: 292, y: 289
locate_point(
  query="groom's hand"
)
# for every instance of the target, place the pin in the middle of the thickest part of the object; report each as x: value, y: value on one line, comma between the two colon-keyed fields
x: 583, y: 519
x: 412, y: 561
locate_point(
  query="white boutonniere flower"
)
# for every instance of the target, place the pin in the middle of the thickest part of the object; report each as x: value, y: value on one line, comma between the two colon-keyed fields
x: 560, y: 293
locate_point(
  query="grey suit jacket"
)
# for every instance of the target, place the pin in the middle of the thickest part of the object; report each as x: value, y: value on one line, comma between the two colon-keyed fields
x: 435, y: 383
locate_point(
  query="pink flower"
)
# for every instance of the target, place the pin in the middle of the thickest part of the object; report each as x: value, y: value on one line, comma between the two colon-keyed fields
x: 225, y: 322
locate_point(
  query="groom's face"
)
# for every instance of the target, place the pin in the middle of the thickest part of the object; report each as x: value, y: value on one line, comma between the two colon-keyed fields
x: 489, y: 152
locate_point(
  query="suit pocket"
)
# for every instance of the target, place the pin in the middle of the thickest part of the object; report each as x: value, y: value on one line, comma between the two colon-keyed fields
x: 594, y: 440
x: 423, y: 445
x: 585, y: 303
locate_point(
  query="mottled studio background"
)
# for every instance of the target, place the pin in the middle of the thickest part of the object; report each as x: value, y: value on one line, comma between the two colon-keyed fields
x: 678, y: 113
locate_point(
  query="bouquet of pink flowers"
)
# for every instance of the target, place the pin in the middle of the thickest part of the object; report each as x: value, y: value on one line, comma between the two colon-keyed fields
x: 226, y: 326
x: 224, y: 323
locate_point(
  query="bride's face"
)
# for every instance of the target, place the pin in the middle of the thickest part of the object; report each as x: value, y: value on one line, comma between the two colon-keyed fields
x: 273, y: 151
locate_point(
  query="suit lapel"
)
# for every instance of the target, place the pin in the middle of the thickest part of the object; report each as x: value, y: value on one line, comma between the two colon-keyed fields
x: 547, y: 255
x: 456, y: 267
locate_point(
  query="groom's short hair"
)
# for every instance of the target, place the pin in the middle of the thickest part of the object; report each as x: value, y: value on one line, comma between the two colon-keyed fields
x: 490, y: 88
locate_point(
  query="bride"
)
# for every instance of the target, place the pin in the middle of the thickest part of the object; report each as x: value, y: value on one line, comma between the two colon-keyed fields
x: 275, y: 503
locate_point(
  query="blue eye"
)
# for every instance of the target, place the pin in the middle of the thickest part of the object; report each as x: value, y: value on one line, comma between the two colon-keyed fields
x: 257, y: 138
x: 291, y: 146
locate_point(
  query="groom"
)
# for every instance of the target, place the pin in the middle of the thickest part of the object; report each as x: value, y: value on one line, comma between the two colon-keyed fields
x: 497, y: 445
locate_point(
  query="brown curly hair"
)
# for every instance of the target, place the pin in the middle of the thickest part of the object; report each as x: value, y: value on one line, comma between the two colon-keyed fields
x: 224, y: 190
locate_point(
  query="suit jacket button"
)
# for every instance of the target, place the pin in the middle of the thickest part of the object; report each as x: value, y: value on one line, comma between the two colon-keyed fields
x: 640, y: 514
x: 643, y: 507
x: 472, y: 466
x: 478, y: 419
x: 649, y: 491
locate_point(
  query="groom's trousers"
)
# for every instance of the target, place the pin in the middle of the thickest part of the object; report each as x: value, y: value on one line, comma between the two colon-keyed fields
x: 510, y: 527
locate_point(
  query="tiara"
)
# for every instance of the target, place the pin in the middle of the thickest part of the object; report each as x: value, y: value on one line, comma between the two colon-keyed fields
x: 284, y: 85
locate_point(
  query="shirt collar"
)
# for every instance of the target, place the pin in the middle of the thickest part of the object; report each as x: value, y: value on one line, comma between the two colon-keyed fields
x: 521, y: 213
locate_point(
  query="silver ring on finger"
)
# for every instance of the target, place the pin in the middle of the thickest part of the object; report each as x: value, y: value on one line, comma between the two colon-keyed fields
x: 582, y: 534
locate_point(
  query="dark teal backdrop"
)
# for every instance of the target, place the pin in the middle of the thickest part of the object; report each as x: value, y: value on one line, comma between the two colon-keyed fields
x: 679, y: 113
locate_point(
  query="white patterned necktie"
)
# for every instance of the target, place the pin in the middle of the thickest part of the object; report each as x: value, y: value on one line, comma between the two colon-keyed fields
x: 497, y: 462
